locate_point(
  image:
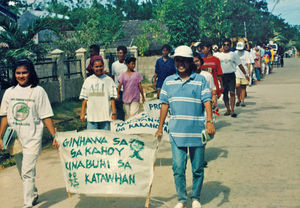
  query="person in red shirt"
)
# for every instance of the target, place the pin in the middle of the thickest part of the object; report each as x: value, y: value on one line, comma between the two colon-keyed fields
x: 212, y: 64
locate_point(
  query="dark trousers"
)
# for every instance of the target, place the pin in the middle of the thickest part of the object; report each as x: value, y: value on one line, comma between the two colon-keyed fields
x: 119, y: 107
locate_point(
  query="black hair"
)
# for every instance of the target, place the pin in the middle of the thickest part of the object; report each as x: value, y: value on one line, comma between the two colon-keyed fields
x: 208, y: 45
x: 192, y: 67
x: 95, y: 47
x: 130, y: 59
x: 200, y: 45
x: 122, y: 48
x: 197, y: 55
x: 227, y: 40
x: 33, y: 78
x: 166, y: 46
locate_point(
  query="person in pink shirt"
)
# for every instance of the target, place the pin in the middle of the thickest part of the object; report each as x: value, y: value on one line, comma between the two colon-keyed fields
x: 132, y: 88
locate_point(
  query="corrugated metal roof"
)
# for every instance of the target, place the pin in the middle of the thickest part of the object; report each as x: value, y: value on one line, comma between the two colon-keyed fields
x: 5, y: 12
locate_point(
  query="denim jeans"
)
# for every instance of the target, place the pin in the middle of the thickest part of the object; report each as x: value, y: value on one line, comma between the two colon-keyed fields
x: 26, y: 166
x: 257, y: 73
x: 105, y: 125
x: 179, y: 157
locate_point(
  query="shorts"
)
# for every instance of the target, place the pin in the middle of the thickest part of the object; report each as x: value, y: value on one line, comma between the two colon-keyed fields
x: 241, y: 81
x: 228, y: 82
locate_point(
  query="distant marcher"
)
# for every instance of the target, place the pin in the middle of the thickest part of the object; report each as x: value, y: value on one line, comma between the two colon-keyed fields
x: 198, y: 61
x: 94, y: 51
x: 266, y: 60
x: 212, y: 64
x: 199, y: 47
x: 119, y: 67
x: 281, y: 55
x: 132, y: 88
x: 26, y: 108
x: 186, y: 93
x: 272, y: 59
x: 241, y: 81
x: 98, y: 94
x: 164, y: 67
x: 233, y: 44
x: 215, y: 51
x: 257, y: 64
x: 294, y: 52
x: 229, y: 62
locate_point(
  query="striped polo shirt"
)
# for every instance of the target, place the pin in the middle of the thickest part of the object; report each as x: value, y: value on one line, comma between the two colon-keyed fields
x: 185, y: 100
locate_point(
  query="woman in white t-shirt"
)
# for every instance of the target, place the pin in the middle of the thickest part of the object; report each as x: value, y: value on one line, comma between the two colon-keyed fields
x: 98, y: 94
x: 26, y: 108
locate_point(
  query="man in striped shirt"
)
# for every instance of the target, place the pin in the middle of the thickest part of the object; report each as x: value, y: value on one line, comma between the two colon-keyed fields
x: 185, y: 93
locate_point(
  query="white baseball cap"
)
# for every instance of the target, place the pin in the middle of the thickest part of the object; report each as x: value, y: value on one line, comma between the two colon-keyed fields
x: 215, y: 46
x: 240, y: 46
x: 183, y: 51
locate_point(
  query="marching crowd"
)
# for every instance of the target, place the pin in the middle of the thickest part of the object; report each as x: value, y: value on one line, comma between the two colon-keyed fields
x: 188, y: 84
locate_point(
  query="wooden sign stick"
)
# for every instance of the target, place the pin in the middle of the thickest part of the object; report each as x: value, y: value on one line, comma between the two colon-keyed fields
x: 147, y: 203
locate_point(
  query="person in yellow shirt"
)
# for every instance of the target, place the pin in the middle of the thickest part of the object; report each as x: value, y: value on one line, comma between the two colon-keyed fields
x: 272, y: 58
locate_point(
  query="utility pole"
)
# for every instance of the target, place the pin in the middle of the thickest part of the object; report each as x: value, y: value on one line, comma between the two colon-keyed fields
x: 245, y: 29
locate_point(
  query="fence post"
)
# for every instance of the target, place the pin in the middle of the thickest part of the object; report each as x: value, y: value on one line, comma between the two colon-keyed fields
x: 81, y: 55
x: 59, y: 57
x: 105, y: 61
x: 134, y: 50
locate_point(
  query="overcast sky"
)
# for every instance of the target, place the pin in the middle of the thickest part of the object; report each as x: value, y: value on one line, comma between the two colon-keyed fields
x: 287, y: 9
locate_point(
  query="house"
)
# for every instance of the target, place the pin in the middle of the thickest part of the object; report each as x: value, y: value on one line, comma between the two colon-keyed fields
x: 7, y: 15
x: 29, y: 16
x: 131, y: 30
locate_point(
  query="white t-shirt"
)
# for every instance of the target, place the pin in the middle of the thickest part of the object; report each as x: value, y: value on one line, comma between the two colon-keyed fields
x: 25, y: 108
x: 98, y: 91
x: 229, y: 62
x: 117, y: 69
x: 209, y: 78
x: 245, y: 58
x: 216, y: 54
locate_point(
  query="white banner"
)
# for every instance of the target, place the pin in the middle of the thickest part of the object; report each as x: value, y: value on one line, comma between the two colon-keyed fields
x: 152, y: 108
x: 140, y: 124
x: 102, y: 162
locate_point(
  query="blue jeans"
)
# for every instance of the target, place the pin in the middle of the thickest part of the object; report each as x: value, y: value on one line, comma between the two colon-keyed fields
x: 257, y: 73
x: 179, y: 155
x: 105, y: 125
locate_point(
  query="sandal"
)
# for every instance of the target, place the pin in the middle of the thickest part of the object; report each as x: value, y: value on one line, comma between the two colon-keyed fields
x: 227, y: 113
x: 243, y: 105
x: 234, y: 115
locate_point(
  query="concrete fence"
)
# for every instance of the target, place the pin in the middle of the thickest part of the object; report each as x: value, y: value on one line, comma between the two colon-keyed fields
x: 62, y: 78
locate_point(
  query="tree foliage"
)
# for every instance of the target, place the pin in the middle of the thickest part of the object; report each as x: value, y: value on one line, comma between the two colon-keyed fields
x: 21, y: 44
x: 182, y: 19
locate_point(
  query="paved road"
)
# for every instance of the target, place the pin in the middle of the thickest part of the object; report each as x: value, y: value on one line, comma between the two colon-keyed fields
x: 254, y: 160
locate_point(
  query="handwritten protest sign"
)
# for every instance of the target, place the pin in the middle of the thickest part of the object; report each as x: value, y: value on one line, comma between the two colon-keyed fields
x: 107, y: 163
x: 140, y: 124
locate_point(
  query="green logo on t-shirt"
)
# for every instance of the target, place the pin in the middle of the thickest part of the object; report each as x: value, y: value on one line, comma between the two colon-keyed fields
x: 20, y: 111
